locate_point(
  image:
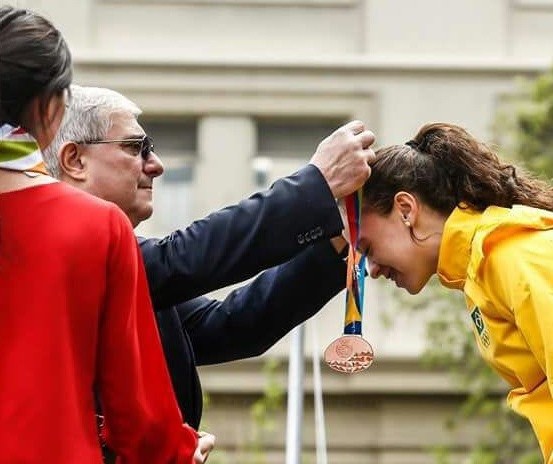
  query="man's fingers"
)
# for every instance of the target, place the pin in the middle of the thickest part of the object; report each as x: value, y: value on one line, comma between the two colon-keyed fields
x: 370, y: 156
x: 206, y: 443
x: 370, y: 171
x: 367, y: 138
x: 344, y: 157
x: 356, y: 127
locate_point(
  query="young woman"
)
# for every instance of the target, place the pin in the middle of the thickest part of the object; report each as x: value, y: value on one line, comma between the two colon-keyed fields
x: 75, y: 314
x: 444, y: 203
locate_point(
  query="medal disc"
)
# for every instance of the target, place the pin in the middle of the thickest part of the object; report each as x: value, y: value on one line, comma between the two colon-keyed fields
x: 349, y: 354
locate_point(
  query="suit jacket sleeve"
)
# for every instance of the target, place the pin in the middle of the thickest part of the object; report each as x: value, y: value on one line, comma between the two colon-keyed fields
x: 237, y: 242
x: 254, y: 317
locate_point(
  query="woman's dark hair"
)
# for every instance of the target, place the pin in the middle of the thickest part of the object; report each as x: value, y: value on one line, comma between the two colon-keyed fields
x: 446, y: 167
x: 34, y: 61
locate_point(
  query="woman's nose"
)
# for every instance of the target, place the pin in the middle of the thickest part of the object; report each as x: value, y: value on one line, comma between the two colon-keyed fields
x: 374, y: 270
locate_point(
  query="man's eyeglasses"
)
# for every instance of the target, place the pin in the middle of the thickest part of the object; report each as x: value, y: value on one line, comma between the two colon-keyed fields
x: 142, y: 146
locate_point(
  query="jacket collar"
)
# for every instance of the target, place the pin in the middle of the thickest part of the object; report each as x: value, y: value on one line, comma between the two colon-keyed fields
x: 455, y: 248
x: 469, y: 235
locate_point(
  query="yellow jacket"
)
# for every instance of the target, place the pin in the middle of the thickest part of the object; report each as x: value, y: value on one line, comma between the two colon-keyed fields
x: 502, y: 259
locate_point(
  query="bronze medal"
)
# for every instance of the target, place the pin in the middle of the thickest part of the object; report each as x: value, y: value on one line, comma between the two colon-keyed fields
x: 349, y: 354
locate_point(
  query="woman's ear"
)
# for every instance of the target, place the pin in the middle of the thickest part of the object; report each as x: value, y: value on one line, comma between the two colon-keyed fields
x: 407, y: 207
x: 71, y: 163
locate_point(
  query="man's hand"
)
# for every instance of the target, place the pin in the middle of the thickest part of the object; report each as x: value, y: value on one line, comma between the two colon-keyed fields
x: 206, y: 442
x: 343, y: 158
x: 339, y: 243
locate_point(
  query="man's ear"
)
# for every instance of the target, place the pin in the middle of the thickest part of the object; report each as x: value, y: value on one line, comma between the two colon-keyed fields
x: 71, y: 162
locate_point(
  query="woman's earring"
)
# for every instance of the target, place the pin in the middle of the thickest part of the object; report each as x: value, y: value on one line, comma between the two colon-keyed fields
x: 406, y: 221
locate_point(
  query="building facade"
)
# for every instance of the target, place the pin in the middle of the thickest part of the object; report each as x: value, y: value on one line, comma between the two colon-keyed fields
x: 238, y: 93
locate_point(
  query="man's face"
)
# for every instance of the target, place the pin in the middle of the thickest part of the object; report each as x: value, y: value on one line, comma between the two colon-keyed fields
x: 116, y: 172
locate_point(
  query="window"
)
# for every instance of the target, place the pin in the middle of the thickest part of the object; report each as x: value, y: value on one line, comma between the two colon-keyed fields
x: 286, y: 144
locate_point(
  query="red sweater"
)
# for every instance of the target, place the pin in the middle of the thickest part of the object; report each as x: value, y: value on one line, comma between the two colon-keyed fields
x: 75, y: 314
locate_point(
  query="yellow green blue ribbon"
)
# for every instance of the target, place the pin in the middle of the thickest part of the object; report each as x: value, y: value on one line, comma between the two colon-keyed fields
x: 355, y: 283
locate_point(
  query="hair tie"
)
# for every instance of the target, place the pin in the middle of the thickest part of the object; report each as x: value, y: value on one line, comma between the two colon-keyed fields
x: 412, y: 144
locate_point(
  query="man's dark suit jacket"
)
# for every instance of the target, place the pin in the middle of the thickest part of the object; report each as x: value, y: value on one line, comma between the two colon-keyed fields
x: 287, y: 229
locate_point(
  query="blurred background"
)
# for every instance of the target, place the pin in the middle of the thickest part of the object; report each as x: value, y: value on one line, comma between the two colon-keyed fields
x: 237, y: 93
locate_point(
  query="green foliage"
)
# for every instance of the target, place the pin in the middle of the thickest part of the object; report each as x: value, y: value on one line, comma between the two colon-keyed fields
x: 263, y: 412
x: 524, y: 126
x: 534, y: 134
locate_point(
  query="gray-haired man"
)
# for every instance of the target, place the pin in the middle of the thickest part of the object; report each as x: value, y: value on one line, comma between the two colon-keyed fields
x: 286, y: 231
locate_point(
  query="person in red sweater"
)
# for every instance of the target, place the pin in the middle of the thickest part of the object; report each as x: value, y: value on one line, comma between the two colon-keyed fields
x: 75, y: 313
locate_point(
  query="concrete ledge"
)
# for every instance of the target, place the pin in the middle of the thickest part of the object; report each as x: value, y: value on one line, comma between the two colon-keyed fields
x: 139, y: 59
x: 210, y: 3
x: 385, y: 376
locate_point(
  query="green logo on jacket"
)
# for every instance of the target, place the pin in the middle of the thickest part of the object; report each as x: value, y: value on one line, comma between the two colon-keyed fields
x: 478, y: 320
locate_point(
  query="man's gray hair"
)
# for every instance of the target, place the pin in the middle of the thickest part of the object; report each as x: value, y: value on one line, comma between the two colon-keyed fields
x: 87, y: 117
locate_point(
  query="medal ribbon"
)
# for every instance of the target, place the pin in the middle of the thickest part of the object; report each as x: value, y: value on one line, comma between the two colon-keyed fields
x: 355, y: 283
x: 19, y: 151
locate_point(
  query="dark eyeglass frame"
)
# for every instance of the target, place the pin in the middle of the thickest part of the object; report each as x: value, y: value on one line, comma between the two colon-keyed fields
x: 146, y: 144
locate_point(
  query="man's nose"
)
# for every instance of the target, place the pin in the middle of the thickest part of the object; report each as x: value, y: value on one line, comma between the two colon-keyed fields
x: 153, y: 166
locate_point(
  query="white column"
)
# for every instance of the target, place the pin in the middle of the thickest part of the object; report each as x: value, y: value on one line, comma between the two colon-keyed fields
x: 226, y: 146
x: 294, y: 410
